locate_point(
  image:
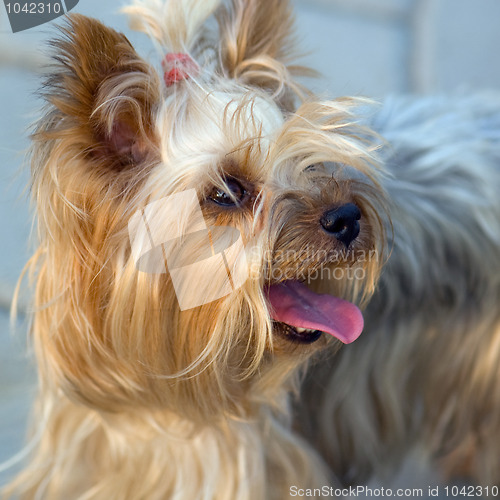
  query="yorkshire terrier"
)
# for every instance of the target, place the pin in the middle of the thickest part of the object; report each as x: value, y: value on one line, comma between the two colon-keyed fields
x: 416, y: 398
x: 203, y: 231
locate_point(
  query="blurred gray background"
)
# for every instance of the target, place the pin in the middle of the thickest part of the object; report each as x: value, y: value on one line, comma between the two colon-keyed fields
x: 362, y: 47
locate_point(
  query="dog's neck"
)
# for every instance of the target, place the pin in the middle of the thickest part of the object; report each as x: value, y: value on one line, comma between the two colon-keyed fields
x: 117, y: 454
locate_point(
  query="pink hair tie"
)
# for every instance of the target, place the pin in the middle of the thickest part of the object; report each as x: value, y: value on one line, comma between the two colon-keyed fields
x: 178, y: 67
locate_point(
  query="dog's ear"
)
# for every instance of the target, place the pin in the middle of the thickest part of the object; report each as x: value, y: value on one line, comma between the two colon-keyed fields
x: 257, y: 44
x: 102, y: 96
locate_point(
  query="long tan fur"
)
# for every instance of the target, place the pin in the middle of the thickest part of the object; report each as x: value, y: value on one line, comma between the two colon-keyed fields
x: 139, y: 399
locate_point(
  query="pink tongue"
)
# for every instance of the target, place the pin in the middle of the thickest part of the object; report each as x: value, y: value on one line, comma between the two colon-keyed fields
x: 294, y: 304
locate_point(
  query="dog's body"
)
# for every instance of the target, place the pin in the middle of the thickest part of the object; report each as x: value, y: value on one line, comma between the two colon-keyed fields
x: 161, y: 385
x: 422, y: 381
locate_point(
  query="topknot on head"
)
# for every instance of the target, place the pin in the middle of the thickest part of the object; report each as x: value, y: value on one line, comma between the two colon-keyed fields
x: 250, y: 42
x: 177, y: 25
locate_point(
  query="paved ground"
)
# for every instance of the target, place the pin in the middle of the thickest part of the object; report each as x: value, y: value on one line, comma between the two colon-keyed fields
x: 369, y: 47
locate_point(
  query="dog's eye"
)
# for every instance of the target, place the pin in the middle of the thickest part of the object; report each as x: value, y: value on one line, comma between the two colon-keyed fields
x: 234, y: 195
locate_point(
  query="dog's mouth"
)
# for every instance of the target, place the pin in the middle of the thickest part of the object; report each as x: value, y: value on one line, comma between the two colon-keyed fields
x: 296, y: 334
x: 303, y: 315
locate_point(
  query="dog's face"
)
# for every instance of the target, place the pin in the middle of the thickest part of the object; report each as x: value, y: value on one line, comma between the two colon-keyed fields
x: 280, y: 206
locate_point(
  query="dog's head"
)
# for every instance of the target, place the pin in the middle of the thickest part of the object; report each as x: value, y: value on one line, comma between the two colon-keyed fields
x: 200, y: 227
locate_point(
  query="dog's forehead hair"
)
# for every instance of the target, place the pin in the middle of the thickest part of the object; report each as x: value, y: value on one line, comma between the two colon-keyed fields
x: 203, y: 131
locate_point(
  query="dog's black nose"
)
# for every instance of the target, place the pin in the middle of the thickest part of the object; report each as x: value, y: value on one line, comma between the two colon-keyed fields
x: 342, y: 222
